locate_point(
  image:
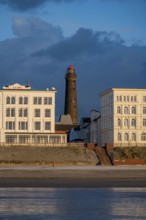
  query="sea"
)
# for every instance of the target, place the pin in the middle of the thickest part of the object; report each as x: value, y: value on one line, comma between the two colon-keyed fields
x: 73, y: 203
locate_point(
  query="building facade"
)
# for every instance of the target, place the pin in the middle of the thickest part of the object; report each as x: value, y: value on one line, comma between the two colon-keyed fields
x: 123, y: 117
x: 28, y: 116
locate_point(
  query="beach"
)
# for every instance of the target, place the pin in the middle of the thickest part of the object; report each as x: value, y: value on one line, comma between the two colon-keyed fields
x: 73, y: 176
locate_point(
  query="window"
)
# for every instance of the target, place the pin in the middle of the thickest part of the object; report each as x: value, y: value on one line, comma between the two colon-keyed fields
x: 119, y: 137
x: 37, y: 113
x: 126, y: 137
x: 8, y: 112
x: 119, y: 122
x: 144, y: 122
x: 25, y: 112
x: 55, y: 139
x: 20, y: 112
x: 25, y: 100
x: 133, y: 122
x: 143, y: 136
x: 37, y: 100
x: 12, y: 112
x: 22, y: 125
x: 119, y: 110
x: 144, y: 98
x: 47, y: 112
x: 144, y: 110
x: 126, y: 122
x: 127, y: 98
x: 133, y: 110
x: 20, y: 100
x: 13, y: 100
x: 48, y: 125
x: 126, y: 110
x: 10, y: 125
x: 124, y: 98
x: 37, y: 125
x: 8, y: 100
x: 133, y: 137
x: 47, y: 100
x: 132, y: 99
x: 11, y: 138
x: 24, y: 139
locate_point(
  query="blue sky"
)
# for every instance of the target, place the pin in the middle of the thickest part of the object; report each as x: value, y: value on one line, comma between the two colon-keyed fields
x: 104, y: 39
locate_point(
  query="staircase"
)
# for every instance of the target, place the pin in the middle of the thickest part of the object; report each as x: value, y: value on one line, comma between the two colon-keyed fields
x: 103, y: 157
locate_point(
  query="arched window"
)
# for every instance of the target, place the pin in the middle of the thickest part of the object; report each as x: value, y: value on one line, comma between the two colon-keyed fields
x: 20, y: 100
x: 119, y: 137
x: 126, y: 122
x: 143, y: 136
x: 133, y: 122
x: 13, y: 100
x: 119, y: 110
x: 126, y: 137
x: 133, y: 110
x: 8, y: 100
x: 133, y: 137
x: 126, y: 110
x: 25, y: 100
x: 119, y: 122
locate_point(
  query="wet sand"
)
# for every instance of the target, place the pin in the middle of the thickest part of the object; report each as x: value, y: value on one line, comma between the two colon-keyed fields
x: 43, y: 176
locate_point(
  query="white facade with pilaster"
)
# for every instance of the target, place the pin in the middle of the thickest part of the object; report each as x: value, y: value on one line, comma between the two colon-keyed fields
x: 123, y: 117
x: 28, y: 116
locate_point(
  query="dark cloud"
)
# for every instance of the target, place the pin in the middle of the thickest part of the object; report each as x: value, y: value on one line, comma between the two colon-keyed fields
x: 24, y: 5
x: 39, y: 52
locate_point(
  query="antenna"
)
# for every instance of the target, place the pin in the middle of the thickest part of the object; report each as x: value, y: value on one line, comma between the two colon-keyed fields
x: 28, y: 83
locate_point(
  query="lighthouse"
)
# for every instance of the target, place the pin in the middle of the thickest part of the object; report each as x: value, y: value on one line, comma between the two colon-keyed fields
x: 71, y: 95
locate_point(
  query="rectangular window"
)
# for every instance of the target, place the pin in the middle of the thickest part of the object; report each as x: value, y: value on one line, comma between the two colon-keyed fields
x: 10, y: 125
x: 37, y: 125
x: 144, y: 98
x: 47, y: 100
x: 47, y: 112
x: 144, y: 122
x: 144, y: 110
x: 24, y: 139
x: 39, y: 100
x: 48, y: 125
x: 37, y: 113
x: 124, y: 98
x: 35, y: 100
x: 22, y: 125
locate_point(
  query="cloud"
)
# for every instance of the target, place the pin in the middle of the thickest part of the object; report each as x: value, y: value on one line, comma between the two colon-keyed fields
x: 24, y: 5
x: 41, y: 53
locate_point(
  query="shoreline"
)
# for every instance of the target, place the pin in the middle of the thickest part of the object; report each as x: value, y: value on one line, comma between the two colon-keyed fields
x: 72, y: 176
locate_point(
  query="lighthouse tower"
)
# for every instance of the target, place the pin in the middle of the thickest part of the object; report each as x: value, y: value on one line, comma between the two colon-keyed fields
x: 71, y: 95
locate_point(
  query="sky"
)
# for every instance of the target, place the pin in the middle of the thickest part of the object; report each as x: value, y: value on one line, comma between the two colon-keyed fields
x: 105, y: 40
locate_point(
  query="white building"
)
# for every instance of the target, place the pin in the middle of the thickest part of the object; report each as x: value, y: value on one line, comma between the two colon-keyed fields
x: 123, y: 117
x: 28, y: 116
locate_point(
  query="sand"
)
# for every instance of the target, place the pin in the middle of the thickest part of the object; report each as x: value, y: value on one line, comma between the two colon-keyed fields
x: 77, y: 176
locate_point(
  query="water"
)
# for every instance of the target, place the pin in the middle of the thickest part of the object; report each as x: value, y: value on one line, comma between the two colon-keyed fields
x: 73, y: 204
